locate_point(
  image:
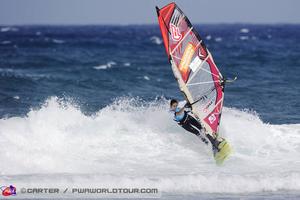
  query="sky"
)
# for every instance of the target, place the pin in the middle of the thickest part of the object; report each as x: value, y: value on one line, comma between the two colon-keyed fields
x: 86, y: 12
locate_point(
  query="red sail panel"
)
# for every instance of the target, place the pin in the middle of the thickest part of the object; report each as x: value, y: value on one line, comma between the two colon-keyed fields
x: 164, y: 16
x: 214, y: 117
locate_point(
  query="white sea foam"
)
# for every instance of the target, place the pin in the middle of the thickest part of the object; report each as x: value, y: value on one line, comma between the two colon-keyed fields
x: 208, y: 37
x: 244, y: 30
x: 244, y: 37
x: 58, y: 41
x: 127, y: 64
x: 156, y: 40
x: 105, y: 66
x: 134, y: 144
x: 146, y: 78
x: 6, y: 42
x: 10, y: 72
x: 6, y: 29
x: 101, y: 67
x: 218, y: 39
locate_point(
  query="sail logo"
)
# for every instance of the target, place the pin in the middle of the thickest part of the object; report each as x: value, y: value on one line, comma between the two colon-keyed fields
x: 8, y: 190
x: 175, y: 33
x: 212, y: 118
x: 186, y: 60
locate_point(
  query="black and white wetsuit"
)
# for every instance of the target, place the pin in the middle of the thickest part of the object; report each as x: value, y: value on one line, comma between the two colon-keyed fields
x: 192, y: 125
x: 185, y: 120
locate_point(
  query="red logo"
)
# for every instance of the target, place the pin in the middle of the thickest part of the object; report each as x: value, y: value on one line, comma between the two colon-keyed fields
x: 8, y: 190
x: 212, y: 118
x: 176, y: 35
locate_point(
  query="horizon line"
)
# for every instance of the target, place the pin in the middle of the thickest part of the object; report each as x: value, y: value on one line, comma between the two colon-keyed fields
x: 150, y: 24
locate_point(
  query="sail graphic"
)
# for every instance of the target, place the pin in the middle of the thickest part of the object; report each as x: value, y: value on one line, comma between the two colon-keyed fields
x: 193, y: 66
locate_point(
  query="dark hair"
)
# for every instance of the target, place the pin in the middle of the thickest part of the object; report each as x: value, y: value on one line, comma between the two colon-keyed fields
x: 173, y: 101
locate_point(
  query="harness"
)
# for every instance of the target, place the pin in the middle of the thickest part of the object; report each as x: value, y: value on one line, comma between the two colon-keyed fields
x: 185, y: 116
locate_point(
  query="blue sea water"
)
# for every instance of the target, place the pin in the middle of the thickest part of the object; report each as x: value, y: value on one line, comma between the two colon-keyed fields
x: 41, y: 61
x: 88, y: 103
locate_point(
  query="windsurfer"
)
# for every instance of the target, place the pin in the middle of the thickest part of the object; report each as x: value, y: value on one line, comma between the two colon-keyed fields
x: 188, y: 122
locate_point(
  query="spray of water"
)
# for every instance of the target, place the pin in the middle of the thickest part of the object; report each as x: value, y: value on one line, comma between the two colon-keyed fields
x: 133, y: 143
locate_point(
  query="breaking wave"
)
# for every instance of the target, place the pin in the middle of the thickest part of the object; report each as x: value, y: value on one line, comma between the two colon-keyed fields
x: 135, y: 143
x: 156, y: 40
x: 106, y: 66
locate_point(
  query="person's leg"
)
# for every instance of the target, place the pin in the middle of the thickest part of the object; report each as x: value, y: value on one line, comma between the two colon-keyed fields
x: 194, y: 122
x: 213, y: 141
x: 190, y: 128
x: 187, y: 126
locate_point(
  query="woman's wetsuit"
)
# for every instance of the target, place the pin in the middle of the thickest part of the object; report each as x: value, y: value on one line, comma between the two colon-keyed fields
x: 190, y: 124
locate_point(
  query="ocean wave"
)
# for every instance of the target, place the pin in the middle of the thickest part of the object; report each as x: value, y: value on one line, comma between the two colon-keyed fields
x: 156, y: 40
x: 218, y: 39
x: 244, y: 37
x: 56, y: 41
x: 135, y: 143
x: 146, y: 78
x: 106, y: 66
x: 127, y: 64
x: 7, y: 29
x: 244, y: 30
x: 5, y: 42
x: 208, y: 37
x: 19, y: 73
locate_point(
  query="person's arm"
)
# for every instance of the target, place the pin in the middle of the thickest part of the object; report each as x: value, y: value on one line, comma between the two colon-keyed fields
x: 187, y: 104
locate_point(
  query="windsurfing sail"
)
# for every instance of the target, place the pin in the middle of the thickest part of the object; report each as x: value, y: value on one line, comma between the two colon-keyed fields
x: 193, y: 66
